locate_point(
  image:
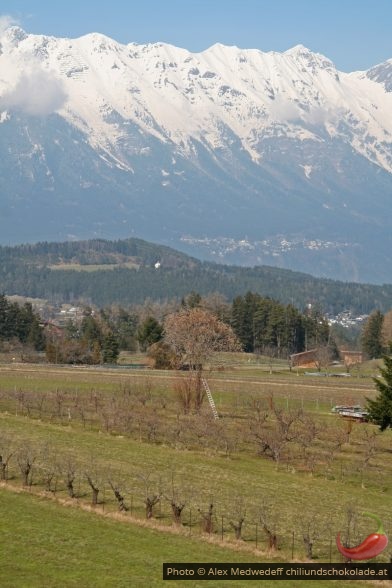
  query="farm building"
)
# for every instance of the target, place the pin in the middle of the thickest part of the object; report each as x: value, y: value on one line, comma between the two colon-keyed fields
x: 315, y: 357
x: 351, y: 357
x: 307, y: 359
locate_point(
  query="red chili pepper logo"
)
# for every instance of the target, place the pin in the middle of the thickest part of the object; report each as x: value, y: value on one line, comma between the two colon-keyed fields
x: 370, y: 547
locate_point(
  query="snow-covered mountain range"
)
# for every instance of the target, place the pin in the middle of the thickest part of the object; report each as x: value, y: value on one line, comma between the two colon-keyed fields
x: 231, y: 154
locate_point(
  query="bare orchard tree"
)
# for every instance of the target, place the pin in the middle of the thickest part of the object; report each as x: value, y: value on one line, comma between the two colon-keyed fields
x: 308, y: 433
x: 207, y: 518
x: 116, y: 485
x: 151, y: 496
x: 184, y: 390
x: 272, y: 438
x: 70, y: 471
x: 370, y: 446
x: 237, y: 519
x: 7, y: 451
x: 94, y: 480
x: 288, y: 422
x: 269, y: 441
x: 313, y: 529
x: 350, y: 528
x: 194, y: 335
x: 26, y: 455
x: 323, y: 357
x: 49, y: 467
x: 269, y: 519
x: 177, y: 501
x: 259, y: 408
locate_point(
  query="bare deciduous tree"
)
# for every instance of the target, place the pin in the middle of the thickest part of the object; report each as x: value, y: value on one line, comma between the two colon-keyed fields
x: 94, y: 479
x: 115, y: 486
x: 269, y: 519
x: 370, y: 449
x: 313, y: 528
x: 151, y: 498
x: 49, y: 467
x: 7, y: 450
x: 69, y: 469
x: 194, y: 334
x: 350, y: 531
x: 323, y: 357
x: 236, y: 522
x: 177, y: 504
x: 150, y: 501
x: 207, y: 519
x: 26, y: 455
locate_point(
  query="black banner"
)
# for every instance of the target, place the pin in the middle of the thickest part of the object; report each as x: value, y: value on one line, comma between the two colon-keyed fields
x: 276, y: 571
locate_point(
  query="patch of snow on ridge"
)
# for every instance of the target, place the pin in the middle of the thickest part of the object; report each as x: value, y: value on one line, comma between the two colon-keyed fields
x: 307, y: 170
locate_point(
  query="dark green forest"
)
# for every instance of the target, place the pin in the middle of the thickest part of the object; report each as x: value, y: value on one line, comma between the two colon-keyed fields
x: 20, y: 323
x: 132, y: 277
x: 262, y: 325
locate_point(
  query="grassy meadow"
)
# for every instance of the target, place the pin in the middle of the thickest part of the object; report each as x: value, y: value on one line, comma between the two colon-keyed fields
x: 276, y: 458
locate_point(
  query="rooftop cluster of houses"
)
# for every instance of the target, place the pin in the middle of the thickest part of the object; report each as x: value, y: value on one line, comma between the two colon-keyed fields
x: 347, y: 319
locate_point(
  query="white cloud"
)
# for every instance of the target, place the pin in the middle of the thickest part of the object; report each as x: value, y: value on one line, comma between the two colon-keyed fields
x: 36, y: 92
x: 26, y: 86
x: 320, y: 115
x: 6, y: 21
x: 283, y: 110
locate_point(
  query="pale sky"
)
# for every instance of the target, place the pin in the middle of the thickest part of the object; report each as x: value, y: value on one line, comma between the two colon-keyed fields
x: 354, y: 34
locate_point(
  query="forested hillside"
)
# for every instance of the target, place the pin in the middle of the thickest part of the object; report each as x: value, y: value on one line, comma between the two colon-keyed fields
x: 128, y: 271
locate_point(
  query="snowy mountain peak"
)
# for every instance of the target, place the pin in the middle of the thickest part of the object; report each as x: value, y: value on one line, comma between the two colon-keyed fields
x: 14, y: 35
x: 182, y: 97
x: 382, y: 74
x: 150, y: 137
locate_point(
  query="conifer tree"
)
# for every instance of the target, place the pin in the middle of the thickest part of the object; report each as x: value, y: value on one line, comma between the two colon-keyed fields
x: 380, y: 409
x: 372, y: 343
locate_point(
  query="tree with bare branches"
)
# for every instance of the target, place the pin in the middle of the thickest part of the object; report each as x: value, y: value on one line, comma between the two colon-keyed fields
x: 115, y: 486
x: 236, y: 522
x: 151, y: 498
x: 194, y: 335
x: 313, y: 528
x: 26, y: 455
x: 269, y: 519
x: 177, y: 503
x: 7, y: 451
x: 207, y: 519
x: 93, y: 476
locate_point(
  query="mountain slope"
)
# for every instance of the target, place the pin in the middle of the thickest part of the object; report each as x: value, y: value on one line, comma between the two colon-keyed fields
x: 130, y: 271
x: 232, y: 154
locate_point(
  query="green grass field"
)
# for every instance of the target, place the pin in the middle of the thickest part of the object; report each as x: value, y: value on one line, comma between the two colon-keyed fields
x: 45, y: 545
x: 97, y: 549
